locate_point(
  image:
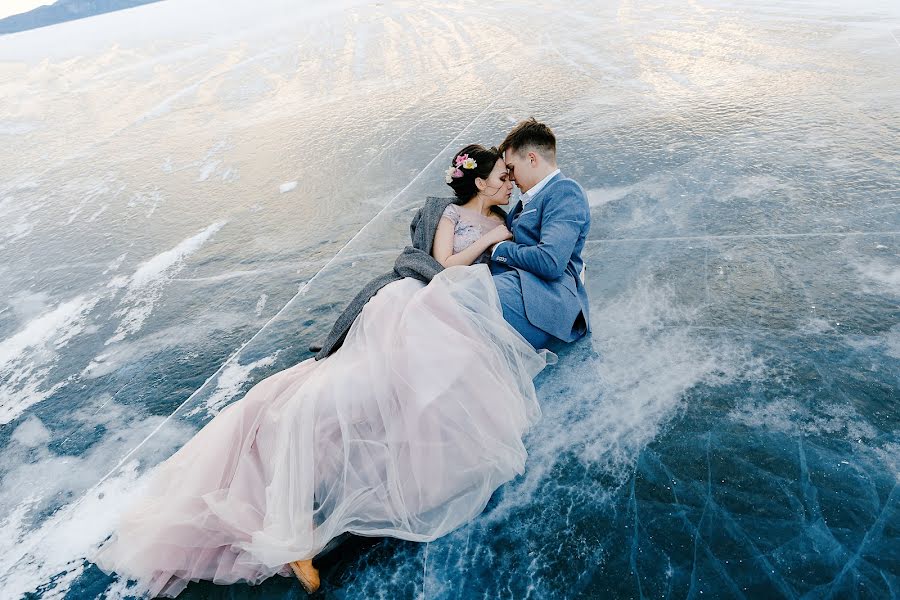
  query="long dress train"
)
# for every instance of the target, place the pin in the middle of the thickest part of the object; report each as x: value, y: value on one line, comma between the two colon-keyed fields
x: 406, y: 431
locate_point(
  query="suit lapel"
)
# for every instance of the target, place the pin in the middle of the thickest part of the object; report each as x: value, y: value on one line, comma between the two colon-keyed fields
x: 510, y: 218
x: 543, y: 192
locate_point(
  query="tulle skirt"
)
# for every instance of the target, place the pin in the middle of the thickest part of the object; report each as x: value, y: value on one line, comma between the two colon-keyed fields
x: 406, y: 431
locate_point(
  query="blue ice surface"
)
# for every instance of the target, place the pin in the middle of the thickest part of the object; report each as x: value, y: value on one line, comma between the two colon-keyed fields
x: 729, y: 430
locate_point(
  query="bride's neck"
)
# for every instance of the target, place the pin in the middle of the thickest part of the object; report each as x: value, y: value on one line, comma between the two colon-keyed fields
x: 478, y: 204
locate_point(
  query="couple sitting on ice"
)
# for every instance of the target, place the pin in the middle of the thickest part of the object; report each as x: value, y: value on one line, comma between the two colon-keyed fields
x: 413, y: 411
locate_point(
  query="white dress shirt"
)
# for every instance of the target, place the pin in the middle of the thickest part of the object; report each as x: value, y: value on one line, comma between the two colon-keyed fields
x: 534, y: 191
x: 527, y: 196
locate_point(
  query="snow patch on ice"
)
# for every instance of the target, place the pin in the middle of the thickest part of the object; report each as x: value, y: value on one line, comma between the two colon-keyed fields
x: 148, y: 200
x: 21, y: 228
x: 139, y: 350
x: 230, y: 383
x: 115, y: 264
x: 261, y: 304
x: 35, y: 549
x: 17, y: 214
x: 99, y: 212
x: 17, y: 127
x: 57, y: 549
x: 816, y: 326
x: 27, y: 357
x: 27, y: 305
x: 31, y: 433
x: 892, y: 342
x: 753, y: 186
x: 889, y: 453
x: 287, y: 187
x: 208, y: 169
x: 884, y: 275
x: 601, y: 196
x: 145, y: 287
x: 103, y: 189
x: 230, y: 175
x: 607, y: 404
x: 788, y: 415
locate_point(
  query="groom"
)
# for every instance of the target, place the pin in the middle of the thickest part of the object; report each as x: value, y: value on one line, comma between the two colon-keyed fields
x: 539, y: 274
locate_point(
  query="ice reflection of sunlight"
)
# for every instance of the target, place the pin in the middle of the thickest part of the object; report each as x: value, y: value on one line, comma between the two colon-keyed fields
x: 707, y: 51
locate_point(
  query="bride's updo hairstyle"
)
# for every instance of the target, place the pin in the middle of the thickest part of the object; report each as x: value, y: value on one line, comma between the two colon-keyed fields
x: 471, y: 162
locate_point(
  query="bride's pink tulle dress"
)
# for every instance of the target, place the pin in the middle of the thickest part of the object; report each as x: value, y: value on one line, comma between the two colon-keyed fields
x: 406, y: 432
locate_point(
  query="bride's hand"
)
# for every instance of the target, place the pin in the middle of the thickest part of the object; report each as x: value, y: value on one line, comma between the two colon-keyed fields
x: 499, y: 234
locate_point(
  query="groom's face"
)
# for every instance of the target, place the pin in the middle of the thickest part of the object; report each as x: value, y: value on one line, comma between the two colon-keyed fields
x: 519, y: 167
x: 516, y: 167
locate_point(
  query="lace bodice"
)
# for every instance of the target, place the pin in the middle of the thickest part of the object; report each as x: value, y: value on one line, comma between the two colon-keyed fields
x: 468, y: 226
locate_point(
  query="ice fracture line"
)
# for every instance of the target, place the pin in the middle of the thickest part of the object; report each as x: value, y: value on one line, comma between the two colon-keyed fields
x: 744, y: 236
x: 71, y: 508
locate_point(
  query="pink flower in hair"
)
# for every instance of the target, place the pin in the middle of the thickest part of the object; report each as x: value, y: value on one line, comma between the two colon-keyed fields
x: 452, y: 173
x: 459, y: 163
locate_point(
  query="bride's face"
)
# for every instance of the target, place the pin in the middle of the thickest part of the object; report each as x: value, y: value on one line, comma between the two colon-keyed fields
x: 497, y: 187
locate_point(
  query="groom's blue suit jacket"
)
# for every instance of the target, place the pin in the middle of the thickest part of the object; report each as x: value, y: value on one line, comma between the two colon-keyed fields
x: 549, y: 235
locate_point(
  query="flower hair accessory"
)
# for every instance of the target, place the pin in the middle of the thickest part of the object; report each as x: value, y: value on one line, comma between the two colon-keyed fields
x: 461, y: 162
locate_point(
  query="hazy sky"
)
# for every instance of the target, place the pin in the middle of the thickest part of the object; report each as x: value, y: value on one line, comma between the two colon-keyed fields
x: 14, y: 7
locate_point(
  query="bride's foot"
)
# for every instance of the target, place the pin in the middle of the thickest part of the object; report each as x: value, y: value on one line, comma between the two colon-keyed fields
x: 307, y: 574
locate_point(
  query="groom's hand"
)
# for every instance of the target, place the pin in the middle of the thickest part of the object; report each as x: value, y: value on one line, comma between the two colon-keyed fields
x: 562, y: 223
x: 500, y: 233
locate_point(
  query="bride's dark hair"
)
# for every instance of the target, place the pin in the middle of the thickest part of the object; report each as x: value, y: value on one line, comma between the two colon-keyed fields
x: 464, y: 186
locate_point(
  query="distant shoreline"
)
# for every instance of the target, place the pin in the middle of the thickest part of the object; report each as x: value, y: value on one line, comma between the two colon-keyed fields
x: 62, y: 11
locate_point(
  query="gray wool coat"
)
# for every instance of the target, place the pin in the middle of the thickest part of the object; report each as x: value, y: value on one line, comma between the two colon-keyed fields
x: 415, y: 261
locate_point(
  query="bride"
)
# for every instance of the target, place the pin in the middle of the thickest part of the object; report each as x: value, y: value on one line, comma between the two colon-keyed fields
x: 405, y: 431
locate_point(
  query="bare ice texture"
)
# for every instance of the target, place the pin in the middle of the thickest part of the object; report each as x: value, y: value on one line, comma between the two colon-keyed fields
x: 729, y: 429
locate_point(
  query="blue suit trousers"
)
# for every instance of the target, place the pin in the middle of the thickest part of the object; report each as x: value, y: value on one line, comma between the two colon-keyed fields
x: 509, y: 287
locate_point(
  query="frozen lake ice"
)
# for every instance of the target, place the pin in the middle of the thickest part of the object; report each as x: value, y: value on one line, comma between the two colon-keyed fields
x: 191, y: 191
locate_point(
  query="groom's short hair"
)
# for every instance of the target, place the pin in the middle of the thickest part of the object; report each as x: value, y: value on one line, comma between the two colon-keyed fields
x: 531, y: 134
